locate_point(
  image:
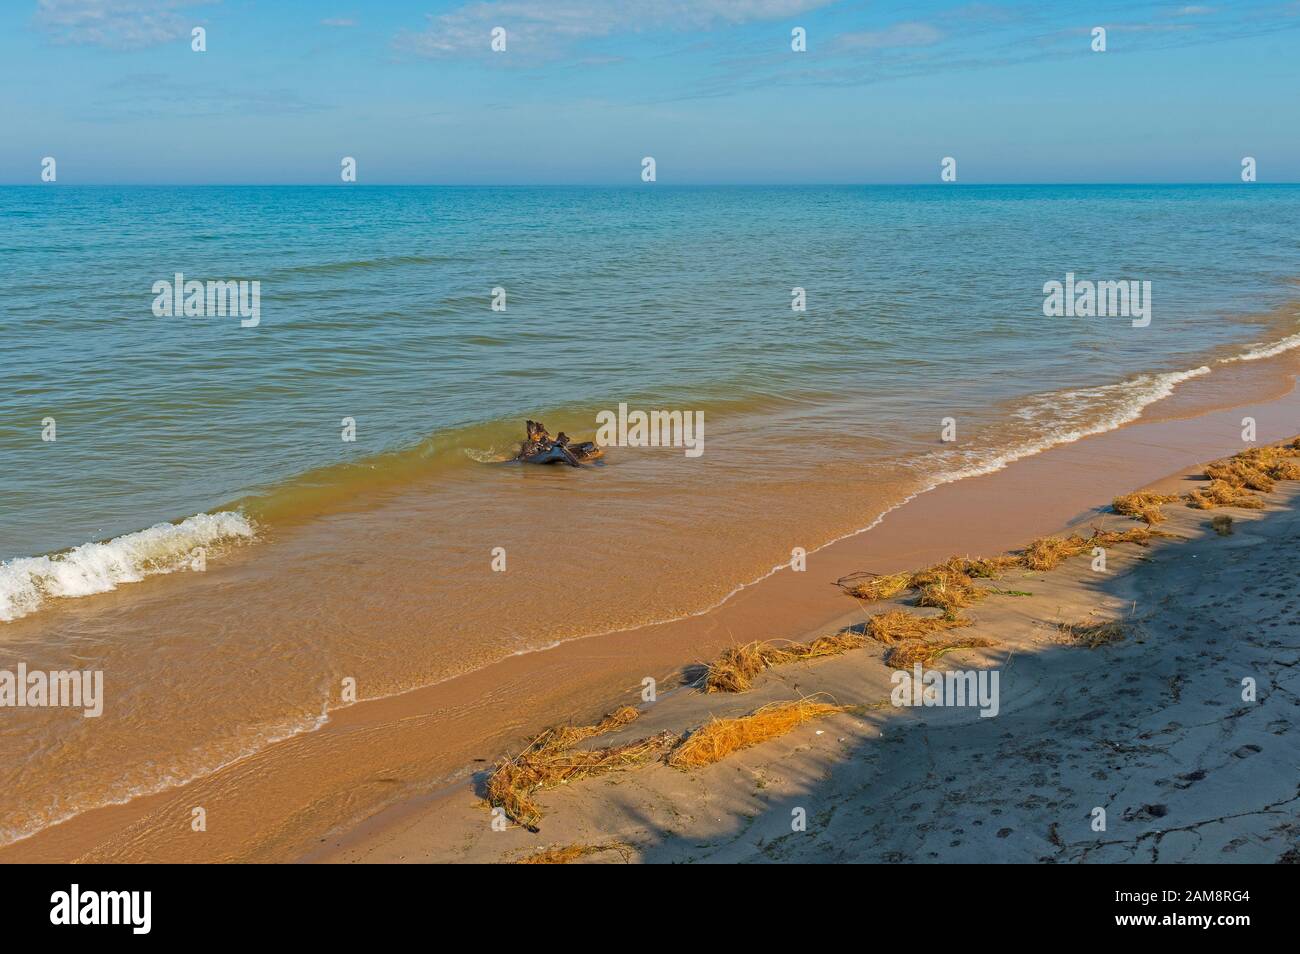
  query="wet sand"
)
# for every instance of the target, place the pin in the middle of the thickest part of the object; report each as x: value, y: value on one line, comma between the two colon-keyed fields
x: 383, y: 759
x: 1146, y: 750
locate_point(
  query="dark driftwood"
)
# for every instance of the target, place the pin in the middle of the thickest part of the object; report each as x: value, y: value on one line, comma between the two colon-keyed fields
x: 539, y: 448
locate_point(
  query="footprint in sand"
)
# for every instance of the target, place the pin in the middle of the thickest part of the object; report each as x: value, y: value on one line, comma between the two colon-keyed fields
x: 1146, y: 813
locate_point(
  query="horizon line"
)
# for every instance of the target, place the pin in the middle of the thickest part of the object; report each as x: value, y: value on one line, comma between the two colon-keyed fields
x: 627, y: 185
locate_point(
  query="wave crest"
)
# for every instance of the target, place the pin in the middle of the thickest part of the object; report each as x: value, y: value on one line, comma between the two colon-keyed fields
x: 1063, y: 417
x: 27, y: 582
x: 1258, y: 351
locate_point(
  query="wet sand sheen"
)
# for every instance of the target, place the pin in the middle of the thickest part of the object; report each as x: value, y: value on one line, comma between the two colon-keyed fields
x: 276, y: 803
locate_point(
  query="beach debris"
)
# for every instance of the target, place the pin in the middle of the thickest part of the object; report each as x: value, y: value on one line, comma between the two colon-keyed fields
x: 1220, y: 493
x: 563, y: 736
x: 906, y: 655
x: 715, y: 740
x: 1142, y: 536
x: 989, y: 568
x: 1094, y: 635
x: 1047, y: 553
x: 1222, y: 525
x: 871, y: 587
x: 547, y: 764
x: 515, y: 781
x: 952, y: 585
x: 1239, y: 474
x: 1143, y: 506
x: 550, y: 759
x: 898, y: 625
x: 1257, y: 468
x: 1254, y: 469
x: 948, y: 593
x: 563, y: 854
x: 949, y: 585
x: 539, y: 448
x: 736, y: 667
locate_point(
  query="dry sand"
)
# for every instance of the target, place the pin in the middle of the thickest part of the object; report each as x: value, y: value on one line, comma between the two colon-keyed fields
x: 1153, y: 730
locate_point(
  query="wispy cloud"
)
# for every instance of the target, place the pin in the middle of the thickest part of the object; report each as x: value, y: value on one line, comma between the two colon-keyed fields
x: 118, y: 24
x: 982, y: 36
x: 900, y: 35
x: 550, y: 28
x: 338, y: 22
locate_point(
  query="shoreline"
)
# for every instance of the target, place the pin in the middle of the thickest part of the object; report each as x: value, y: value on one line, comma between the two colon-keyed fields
x: 1121, y: 727
x: 434, y: 736
x: 336, y: 487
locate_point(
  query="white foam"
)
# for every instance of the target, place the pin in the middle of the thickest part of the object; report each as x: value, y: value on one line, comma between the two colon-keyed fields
x: 489, y: 456
x: 1261, y: 350
x: 27, y: 582
x: 1068, y: 416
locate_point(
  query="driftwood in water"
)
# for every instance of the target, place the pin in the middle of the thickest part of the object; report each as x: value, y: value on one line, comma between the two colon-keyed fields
x: 539, y: 448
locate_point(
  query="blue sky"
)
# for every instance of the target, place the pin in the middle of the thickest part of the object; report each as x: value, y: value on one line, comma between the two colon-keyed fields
x: 586, y: 88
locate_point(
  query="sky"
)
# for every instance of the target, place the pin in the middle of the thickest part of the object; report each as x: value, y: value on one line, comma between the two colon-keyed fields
x: 584, y: 89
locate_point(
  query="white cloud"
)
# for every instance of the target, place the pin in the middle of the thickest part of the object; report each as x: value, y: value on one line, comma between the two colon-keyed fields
x: 120, y: 24
x: 549, y: 26
x: 910, y: 34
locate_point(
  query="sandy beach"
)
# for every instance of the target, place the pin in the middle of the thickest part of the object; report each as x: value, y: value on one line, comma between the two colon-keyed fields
x: 509, y: 432
x: 393, y: 778
x: 1152, y: 730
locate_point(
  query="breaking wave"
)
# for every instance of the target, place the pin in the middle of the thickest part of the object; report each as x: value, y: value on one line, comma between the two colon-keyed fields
x: 28, y: 582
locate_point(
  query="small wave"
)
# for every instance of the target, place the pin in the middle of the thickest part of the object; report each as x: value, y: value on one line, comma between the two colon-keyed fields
x: 37, y: 821
x: 27, y: 582
x: 1063, y: 417
x: 489, y: 456
x: 1261, y: 350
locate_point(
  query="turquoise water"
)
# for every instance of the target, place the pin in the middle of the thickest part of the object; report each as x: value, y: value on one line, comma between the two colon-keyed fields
x: 375, y: 305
